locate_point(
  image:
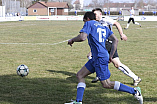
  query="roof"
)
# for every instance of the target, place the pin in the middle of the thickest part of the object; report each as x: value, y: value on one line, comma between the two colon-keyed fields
x: 77, y: 2
x: 53, y: 4
x: 120, y: 5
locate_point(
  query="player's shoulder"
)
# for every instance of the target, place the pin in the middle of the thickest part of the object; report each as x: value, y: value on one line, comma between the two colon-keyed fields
x: 107, y: 18
x: 91, y: 21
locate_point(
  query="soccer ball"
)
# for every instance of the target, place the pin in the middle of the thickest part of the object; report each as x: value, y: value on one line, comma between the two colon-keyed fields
x: 22, y: 70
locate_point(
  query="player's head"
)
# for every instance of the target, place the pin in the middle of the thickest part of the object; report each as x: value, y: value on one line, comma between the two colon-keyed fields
x: 98, y: 13
x: 89, y: 16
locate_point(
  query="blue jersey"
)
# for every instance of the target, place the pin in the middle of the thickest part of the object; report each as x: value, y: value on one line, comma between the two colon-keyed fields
x: 97, y: 35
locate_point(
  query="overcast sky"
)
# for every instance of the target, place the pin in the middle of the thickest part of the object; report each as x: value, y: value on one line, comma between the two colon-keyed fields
x: 88, y: 1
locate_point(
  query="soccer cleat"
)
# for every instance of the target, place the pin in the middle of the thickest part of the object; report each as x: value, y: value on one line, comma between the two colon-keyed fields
x: 138, y: 95
x: 125, y: 28
x: 140, y: 25
x: 74, y: 102
x: 136, y: 82
x: 95, y: 80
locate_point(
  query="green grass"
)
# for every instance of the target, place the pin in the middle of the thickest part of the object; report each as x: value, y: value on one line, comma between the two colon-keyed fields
x: 53, y: 67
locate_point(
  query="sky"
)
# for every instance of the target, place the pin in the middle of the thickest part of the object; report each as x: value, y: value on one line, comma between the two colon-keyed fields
x: 87, y: 1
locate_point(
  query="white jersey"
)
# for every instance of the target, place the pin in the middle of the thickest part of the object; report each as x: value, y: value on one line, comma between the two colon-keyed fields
x: 132, y: 13
x: 107, y: 21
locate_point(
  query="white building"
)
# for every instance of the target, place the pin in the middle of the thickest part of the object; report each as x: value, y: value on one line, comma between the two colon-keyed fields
x: 2, y: 11
x: 81, y: 3
x: 78, y: 4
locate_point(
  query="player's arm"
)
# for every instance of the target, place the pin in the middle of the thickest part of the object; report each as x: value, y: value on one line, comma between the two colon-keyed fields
x: 120, y: 30
x: 81, y: 37
x: 133, y: 13
x: 114, y: 46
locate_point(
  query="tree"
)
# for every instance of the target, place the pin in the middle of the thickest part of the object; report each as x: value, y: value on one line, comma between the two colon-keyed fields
x: 152, y: 2
x: 139, y: 3
x: 0, y: 2
x: 100, y: 3
x: 68, y: 1
x: 38, y: 0
x: 97, y: 3
x: 25, y: 3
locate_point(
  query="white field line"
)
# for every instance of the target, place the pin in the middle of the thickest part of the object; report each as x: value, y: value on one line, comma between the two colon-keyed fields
x: 152, y: 27
x: 34, y: 43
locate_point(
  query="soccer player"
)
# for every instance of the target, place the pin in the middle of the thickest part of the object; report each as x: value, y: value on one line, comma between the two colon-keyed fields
x: 115, y: 59
x: 132, y: 13
x: 97, y: 35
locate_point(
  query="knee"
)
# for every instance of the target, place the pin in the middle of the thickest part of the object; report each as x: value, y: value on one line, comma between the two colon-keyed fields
x: 108, y: 85
x: 116, y: 65
x: 78, y: 76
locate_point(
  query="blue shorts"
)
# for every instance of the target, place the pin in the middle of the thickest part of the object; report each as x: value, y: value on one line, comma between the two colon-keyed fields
x: 100, y: 66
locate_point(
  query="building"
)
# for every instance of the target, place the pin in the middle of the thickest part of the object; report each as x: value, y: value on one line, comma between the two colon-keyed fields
x: 78, y: 5
x: 123, y: 7
x: 48, y: 8
x: 12, y: 8
x: 2, y: 11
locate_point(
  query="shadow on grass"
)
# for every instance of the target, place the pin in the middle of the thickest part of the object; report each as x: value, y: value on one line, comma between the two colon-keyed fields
x: 95, y: 94
x: 24, y: 90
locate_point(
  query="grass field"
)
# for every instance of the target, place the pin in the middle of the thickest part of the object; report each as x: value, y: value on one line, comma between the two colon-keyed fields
x: 53, y: 65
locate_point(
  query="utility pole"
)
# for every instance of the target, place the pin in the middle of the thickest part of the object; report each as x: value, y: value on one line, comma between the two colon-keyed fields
x: 15, y: 7
x: 2, y: 8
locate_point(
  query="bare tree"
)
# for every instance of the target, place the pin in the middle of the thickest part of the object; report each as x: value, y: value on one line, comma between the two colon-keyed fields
x: 100, y: 4
x: 69, y: 3
x: 152, y: 2
x: 97, y: 3
x: 1, y: 2
x: 25, y: 3
x: 77, y: 7
x: 139, y: 3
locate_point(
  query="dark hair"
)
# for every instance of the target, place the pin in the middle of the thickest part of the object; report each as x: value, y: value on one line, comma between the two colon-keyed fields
x: 97, y: 9
x: 89, y: 15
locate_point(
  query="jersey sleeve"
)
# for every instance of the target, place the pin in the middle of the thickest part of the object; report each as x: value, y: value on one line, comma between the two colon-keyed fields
x: 86, y: 28
x: 109, y: 21
x: 109, y: 32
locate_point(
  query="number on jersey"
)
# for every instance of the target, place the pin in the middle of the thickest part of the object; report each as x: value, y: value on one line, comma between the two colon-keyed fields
x: 102, y: 34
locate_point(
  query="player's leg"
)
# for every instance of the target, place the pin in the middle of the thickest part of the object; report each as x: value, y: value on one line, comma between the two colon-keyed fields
x: 104, y: 74
x: 81, y: 82
x: 126, y: 70
x: 108, y: 45
x: 136, y: 23
x: 117, y: 63
x: 124, y: 88
x: 117, y: 86
x: 128, y: 24
x: 132, y: 19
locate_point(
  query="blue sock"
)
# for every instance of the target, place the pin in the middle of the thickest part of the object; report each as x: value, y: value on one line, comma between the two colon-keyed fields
x: 80, y: 91
x: 124, y: 88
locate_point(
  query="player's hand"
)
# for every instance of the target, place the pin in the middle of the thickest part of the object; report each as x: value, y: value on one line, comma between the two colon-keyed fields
x: 110, y: 60
x: 124, y: 37
x: 89, y: 55
x: 70, y: 42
